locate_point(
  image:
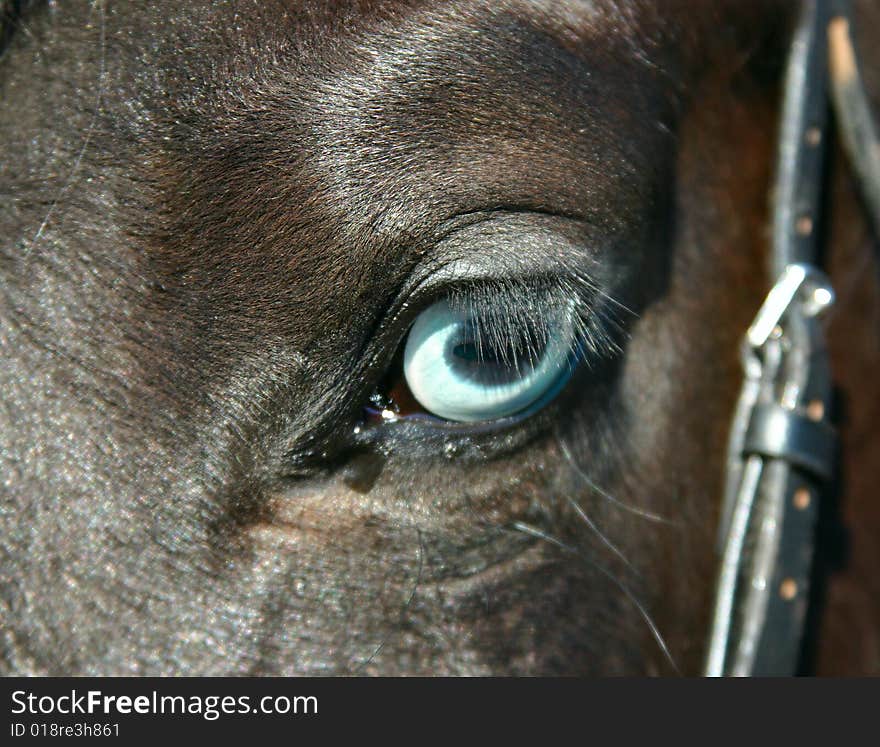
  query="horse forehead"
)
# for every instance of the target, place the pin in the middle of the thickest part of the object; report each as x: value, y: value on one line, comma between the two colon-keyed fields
x: 348, y: 153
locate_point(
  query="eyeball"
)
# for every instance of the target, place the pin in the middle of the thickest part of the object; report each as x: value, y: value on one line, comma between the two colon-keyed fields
x: 458, y: 367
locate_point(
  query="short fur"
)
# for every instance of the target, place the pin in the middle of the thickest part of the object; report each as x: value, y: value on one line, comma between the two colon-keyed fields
x: 218, y: 221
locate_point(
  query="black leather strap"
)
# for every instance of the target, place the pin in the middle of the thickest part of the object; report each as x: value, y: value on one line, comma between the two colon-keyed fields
x: 776, y: 432
x: 781, y: 447
x: 801, y: 142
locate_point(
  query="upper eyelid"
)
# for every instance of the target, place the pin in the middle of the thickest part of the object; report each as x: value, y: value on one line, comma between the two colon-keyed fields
x: 503, y: 246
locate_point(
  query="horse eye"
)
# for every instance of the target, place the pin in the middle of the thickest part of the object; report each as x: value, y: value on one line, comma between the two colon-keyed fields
x: 464, y: 366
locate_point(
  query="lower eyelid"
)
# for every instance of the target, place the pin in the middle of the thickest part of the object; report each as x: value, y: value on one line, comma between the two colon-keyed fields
x: 421, y: 436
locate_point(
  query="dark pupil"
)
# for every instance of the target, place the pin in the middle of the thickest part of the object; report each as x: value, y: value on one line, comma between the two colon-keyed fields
x: 466, y: 350
x: 494, y: 362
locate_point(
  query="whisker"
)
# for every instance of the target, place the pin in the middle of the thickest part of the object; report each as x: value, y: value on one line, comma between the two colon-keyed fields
x: 412, y: 595
x: 607, y: 542
x: 566, y: 452
x: 655, y: 632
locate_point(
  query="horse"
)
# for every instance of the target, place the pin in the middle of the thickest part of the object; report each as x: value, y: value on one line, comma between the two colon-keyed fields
x: 401, y: 337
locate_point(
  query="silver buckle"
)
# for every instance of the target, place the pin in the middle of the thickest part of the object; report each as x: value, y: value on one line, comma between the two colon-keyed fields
x: 799, y: 284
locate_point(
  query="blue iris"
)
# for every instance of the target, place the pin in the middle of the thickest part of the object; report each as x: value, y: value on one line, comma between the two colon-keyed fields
x: 458, y: 369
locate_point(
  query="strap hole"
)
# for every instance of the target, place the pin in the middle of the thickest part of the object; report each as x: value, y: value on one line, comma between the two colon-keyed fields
x: 801, y: 499
x: 804, y: 225
x: 816, y: 410
x: 788, y: 589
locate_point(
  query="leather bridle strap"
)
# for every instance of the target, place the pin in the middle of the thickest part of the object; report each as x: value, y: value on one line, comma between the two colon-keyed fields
x: 781, y: 448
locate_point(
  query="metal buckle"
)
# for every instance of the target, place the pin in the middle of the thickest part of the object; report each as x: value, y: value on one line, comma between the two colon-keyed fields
x: 800, y: 284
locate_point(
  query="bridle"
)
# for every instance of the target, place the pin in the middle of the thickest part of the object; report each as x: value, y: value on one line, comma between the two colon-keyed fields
x: 782, y: 447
